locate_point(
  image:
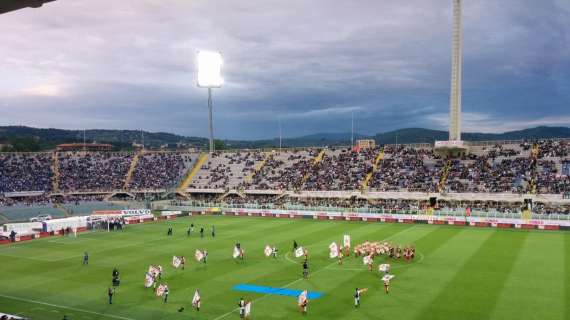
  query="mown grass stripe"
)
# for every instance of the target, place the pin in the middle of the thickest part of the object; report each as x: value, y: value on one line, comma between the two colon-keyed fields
x: 480, y: 281
x: 534, y: 280
x: 421, y: 278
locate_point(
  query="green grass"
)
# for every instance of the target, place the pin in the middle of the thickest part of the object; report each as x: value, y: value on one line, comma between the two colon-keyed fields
x: 459, y: 273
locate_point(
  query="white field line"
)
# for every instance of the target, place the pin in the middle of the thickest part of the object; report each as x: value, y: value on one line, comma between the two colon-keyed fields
x: 292, y: 283
x: 66, y: 307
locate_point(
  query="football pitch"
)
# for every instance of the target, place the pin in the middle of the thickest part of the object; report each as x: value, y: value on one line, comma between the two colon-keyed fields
x: 458, y: 272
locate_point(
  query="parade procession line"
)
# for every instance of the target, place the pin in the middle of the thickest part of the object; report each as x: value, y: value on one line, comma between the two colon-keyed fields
x: 392, y: 266
x: 276, y: 291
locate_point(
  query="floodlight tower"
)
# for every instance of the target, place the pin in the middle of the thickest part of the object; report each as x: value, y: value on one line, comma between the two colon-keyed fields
x: 456, y: 62
x: 209, y: 76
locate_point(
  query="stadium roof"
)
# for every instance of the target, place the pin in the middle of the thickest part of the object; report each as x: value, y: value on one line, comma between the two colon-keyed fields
x: 12, y: 5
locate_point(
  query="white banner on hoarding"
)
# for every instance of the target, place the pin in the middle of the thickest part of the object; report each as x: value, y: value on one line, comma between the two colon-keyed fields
x: 135, y: 212
x: 170, y: 213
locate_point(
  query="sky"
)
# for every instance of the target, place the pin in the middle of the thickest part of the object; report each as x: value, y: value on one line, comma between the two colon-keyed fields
x: 311, y: 65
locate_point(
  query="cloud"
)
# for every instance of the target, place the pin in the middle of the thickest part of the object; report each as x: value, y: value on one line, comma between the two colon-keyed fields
x: 42, y: 90
x: 130, y: 64
x: 479, y: 122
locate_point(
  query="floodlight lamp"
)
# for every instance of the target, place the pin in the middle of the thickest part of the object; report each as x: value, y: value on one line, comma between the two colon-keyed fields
x: 210, y: 69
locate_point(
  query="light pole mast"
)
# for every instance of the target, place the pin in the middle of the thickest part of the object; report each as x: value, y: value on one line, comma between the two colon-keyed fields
x: 352, y: 129
x: 280, y: 134
x: 209, y: 76
x: 456, y: 73
x: 211, y: 120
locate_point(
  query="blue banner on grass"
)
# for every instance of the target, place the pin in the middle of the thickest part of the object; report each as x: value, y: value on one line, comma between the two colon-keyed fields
x: 276, y: 291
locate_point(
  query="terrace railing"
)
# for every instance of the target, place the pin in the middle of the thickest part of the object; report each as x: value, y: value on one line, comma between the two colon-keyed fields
x: 460, y: 212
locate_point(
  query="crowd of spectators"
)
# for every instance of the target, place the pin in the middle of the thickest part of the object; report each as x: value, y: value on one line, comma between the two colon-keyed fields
x: 284, y: 172
x: 343, y: 169
x: 159, y: 170
x: 546, y: 209
x: 93, y: 171
x: 487, y: 175
x: 553, y: 148
x: 549, y: 179
x: 48, y: 200
x: 502, y: 151
x: 26, y: 172
x: 26, y: 201
x: 226, y: 170
x: 408, y: 169
x: 541, y: 166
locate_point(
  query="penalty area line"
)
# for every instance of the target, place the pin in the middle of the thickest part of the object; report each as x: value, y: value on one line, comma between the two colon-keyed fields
x: 65, y: 307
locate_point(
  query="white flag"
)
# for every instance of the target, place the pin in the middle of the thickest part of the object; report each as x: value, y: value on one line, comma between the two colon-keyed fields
x: 237, y: 252
x: 367, y: 260
x: 199, y: 255
x: 388, y: 277
x: 333, y: 248
x: 247, y: 309
x: 302, y: 298
x: 299, y: 252
x: 176, y: 262
x: 267, y: 251
x: 148, y: 280
x: 154, y: 271
x: 385, y: 267
x: 346, y: 241
x: 160, y: 290
x: 196, y: 299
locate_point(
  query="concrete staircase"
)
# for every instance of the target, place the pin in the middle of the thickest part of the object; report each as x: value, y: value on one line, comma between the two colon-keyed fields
x: 377, y: 161
x: 258, y: 168
x: 55, y: 170
x: 443, y: 178
x: 190, y: 175
x: 62, y: 209
x: 316, y: 161
x: 534, y: 173
x: 132, y: 168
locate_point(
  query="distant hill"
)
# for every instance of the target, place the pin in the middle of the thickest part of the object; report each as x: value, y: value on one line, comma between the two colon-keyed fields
x: 420, y: 135
x: 34, y: 139
x: 121, y: 139
x: 313, y: 140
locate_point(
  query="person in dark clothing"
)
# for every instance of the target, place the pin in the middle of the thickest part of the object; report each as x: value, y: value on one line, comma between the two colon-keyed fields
x: 241, y: 306
x: 116, y: 281
x: 305, y: 269
x: 201, y: 232
x: 165, y: 294
x: 213, y: 231
x: 85, y: 258
x: 111, y: 292
x: 169, y: 233
x: 295, y: 245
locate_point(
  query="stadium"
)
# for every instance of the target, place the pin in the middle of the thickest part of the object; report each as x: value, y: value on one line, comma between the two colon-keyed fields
x: 447, y: 230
